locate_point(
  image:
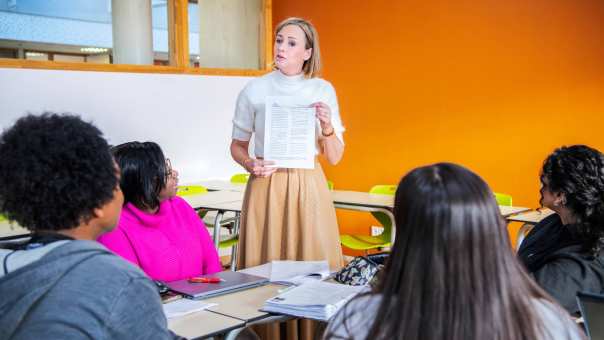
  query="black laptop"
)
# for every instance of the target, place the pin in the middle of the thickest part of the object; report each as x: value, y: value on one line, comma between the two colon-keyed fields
x: 592, y: 310
x: 230, y: 281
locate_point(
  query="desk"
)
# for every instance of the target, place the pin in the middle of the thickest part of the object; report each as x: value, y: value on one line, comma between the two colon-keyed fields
x: 509, y: 211
x: 10, y: 230
x: 203, y: 324
x: 531, y: 217
x: 217, y: 185
x: 245, y: 304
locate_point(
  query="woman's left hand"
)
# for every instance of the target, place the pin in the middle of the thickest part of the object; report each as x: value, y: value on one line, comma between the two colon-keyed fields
x: 323, y: 113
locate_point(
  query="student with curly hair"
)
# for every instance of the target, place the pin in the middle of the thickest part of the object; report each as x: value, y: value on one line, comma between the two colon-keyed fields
x: 451, y: 273
x: 158, y: 231
x: 59, y: 180
x: 564, y: 251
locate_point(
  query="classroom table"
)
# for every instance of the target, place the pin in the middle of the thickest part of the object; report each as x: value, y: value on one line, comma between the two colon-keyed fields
x: 529, y: 219
x: 245, y: 304
x: 229, y: 197
x: 221, y: 185
x: 203, y: 324
x: 11, y: 230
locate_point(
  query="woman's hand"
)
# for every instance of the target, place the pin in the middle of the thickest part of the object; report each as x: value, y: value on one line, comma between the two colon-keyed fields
x: 323, y: 114
x: 259, y: 167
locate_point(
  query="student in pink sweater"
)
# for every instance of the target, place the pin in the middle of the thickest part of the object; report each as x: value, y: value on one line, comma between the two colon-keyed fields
x: 158, y: 231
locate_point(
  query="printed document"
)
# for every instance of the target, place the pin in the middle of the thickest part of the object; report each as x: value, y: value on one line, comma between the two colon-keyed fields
x: 289, y: 132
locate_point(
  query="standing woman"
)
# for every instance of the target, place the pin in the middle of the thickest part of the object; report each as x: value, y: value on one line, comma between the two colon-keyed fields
x: 288, y: 214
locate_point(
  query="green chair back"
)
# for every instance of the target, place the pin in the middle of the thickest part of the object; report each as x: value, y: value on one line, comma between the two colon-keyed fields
x: 364, y: 242
x: 2, y: 218
x: 240, y: 178
x: 186, y: 190
x: 503, y: 199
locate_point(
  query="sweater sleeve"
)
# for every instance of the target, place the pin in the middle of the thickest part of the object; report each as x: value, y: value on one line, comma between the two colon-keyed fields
x: 118, y: 242
x: 243, y: 121
x: 138, y: 313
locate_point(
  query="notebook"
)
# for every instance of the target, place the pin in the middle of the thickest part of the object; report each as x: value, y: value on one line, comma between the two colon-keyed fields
x: 592, y: 310
x: 316, y: 300
x: 230, y: 282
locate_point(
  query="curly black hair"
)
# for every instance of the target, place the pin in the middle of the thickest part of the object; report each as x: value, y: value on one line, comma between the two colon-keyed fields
x: 578, y: 172
x: 55, y: 169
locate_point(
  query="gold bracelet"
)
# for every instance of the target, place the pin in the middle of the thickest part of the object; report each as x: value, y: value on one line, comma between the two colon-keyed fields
x: 328, y: 134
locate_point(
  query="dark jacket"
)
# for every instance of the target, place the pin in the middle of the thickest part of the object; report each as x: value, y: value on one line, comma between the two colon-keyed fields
x: 76, y: 290
x: 557, y: 258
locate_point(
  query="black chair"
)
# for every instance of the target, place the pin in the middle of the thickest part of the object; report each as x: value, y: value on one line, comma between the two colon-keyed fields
x: 592, y: 310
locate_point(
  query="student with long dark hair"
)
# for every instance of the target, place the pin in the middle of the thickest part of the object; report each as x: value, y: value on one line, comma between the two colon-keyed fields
x: 158, y: 231
x: 451, y: 273
x: 564, y: 251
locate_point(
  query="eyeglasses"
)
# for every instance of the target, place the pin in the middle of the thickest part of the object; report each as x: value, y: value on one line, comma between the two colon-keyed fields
x: 169, y: 170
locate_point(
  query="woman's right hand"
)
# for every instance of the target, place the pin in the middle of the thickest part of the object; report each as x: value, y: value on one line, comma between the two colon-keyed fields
x: 259, y: 167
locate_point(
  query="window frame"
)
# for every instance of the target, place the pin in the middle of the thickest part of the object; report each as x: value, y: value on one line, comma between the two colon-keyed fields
x: 178, y: 46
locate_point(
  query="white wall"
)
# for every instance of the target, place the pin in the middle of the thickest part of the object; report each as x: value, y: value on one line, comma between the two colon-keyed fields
x: 188, y: 116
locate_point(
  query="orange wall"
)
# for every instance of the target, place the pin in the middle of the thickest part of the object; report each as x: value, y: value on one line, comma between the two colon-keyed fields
x: 493, y: 85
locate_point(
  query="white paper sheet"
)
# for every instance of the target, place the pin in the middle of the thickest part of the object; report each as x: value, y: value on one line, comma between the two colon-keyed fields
x: 289, y: 132
x: 182, y: 307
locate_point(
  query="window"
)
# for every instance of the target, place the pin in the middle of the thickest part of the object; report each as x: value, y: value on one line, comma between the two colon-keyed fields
x: 142, y: 32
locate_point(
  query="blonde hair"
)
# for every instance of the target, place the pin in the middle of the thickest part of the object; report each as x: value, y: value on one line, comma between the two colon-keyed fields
x: 312, y: 66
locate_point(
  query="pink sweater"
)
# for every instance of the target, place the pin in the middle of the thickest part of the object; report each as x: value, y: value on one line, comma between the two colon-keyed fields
x: 172, y: 244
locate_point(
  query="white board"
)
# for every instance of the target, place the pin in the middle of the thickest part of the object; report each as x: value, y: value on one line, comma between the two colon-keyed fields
x: 189, y: 116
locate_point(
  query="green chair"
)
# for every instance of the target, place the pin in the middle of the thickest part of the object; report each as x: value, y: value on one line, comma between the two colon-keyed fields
x: 229, y: 241
x: 240, y: 178
x: 503, y: 199
x: 2, y: 218
x: 330, y: 184
x: 186, y: 190
x: 365, y: 242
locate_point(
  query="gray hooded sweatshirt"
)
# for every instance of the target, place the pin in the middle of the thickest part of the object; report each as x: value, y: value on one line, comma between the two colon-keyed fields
x: 76, y: 290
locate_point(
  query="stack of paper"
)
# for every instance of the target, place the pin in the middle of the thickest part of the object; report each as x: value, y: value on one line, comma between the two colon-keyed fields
x: 291, y: 272
x: 317, y: 300
x: 182, y: 307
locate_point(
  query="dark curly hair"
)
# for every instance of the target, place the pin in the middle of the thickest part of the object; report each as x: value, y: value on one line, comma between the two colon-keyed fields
x: 55, y: 169
x: 143, y: 173
x: 578, y: 172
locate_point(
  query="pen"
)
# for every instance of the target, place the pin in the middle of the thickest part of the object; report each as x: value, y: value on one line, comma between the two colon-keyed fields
x: 205, y: 280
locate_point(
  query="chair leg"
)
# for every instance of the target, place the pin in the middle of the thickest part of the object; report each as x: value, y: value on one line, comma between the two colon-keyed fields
x: 234, y: 247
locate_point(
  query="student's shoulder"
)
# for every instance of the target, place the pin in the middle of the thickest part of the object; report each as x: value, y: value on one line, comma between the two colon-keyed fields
x: 104, y: 265
x: 558, y: 323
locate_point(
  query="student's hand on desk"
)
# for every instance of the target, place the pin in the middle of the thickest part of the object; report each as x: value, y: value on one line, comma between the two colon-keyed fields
x: 259, y: 167
x: 323, y: 114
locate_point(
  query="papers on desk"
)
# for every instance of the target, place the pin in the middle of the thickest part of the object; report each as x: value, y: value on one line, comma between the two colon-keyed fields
x: 289, y: 132
x: 291, y: 272
x: 182, y: 307
x: 318, y: 300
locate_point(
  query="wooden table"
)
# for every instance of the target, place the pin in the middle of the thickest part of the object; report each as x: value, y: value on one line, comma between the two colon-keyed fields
x: 203, y: 324
x: 11, y: 230
x: 214, y: 185
x: 531, y: 217
x: 507, y: 211
x: 245, y: 304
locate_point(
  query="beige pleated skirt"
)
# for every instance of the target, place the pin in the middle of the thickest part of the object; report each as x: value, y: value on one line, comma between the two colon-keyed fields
x: 289, y: 216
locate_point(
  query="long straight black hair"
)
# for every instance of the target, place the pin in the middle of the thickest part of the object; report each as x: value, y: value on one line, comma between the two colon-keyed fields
x: 452, y: 273
x: 143, y: 172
